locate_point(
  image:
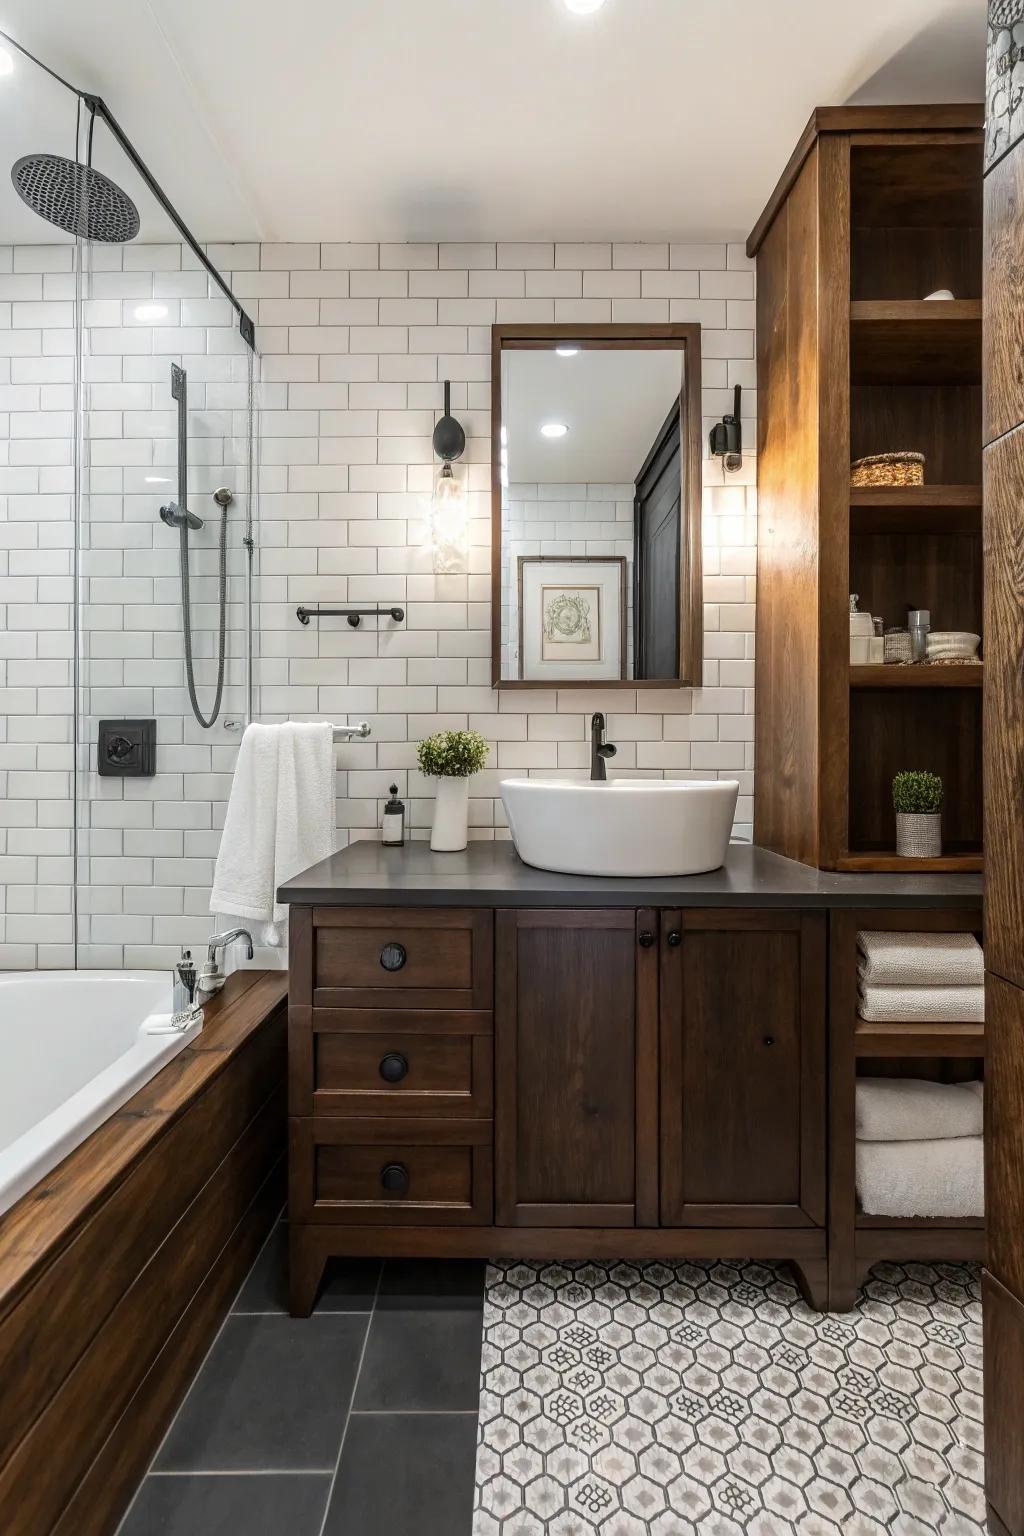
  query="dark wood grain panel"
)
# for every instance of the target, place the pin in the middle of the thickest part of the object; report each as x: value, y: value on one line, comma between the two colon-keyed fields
x: 445, y: 1074
x: 1003, y: 384
x: 1003, y: 1322
x: 1004, y: 1131
x: 1004, y: 704
x: 942, y: 421
x: 908, y: 262
x: 914, y: 341
x: 565, y: 1059
x: 938, y: 571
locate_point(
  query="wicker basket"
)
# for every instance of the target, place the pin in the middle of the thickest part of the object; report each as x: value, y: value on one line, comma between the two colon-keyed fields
x: 919, y: 835
x: 888, y: 469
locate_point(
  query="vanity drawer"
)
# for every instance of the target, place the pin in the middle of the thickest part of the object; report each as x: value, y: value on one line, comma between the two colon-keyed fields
x: 398, y: 1071
x: 435, y: 1173
x: 379, y: 957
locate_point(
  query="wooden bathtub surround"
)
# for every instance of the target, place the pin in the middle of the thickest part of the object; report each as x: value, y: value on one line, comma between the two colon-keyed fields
x: 649, y: 1100
x: 1003, y: 473
x: 115, y: 1271
x: 878, y: 207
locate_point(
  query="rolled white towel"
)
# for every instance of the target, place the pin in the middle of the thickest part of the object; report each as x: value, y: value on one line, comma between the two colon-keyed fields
x: 913, y: 1109
x: 943, y: 1005
x: 921, y: 1178
x: 920, y: 959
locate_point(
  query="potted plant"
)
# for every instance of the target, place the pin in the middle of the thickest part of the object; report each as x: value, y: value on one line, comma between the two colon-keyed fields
x: 917, y: 801
x: 451, y: 757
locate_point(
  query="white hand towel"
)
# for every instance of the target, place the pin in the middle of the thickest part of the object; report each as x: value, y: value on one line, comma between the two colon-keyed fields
x: 280, y: 820
x: 912, y: 1109
x: 941, y: 1005
x: 921, y: 1178
x: 921, y: 959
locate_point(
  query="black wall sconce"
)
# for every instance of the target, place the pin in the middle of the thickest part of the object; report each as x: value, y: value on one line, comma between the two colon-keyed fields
x: 725, y: 439
x: 449, y: 512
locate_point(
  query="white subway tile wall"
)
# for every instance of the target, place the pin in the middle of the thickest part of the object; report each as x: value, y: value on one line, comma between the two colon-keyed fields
x: 355, y: 342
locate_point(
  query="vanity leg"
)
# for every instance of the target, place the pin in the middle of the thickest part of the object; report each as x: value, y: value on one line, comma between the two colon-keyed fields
x: 306, y: 1263
x: 812, y: 1278
x: 843, y: 1283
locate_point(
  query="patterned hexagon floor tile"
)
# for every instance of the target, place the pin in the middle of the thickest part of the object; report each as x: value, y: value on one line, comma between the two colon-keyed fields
x: 684, y: 1399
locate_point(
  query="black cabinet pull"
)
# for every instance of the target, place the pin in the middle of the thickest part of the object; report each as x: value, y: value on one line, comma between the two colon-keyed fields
x: 393, y: 957
x: 394, y: 1177
x: 646, y: 938
x: 675, y: 938
x: 769, y: 1040
x: 393, y: 1067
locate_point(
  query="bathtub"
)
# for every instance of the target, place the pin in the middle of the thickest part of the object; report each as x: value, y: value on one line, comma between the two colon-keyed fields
x: 73, y: 1049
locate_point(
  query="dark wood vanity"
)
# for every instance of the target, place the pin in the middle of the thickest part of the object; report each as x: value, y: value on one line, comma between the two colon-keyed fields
x: 489, y: 1059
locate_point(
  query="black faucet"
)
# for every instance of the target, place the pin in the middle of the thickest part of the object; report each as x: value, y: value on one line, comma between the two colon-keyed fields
x: 599, y: 749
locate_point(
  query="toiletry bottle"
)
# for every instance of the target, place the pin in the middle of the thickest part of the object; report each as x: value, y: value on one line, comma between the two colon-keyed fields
x: 184, y: 992
x: 393, y: 825
x: 861, y: 630
x: 919, y: 622
x: 876, y: 644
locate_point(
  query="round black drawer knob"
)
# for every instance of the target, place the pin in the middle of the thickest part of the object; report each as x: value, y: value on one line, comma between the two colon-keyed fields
x: 394, y: 1178
x: 675, y: 938
x: 393, y: 957
x: 646, y: 938
x: 393, y: 1067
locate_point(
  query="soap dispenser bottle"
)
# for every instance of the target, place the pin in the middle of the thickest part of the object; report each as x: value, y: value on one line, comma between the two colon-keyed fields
x: 393, y: 825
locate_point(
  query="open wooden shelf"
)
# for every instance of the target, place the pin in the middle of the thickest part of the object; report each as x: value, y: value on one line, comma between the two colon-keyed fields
x: 915, y: 509
x: 890, y: 1038
x: 966, y: 675
x: 890, y: 862
x: 915, y: 341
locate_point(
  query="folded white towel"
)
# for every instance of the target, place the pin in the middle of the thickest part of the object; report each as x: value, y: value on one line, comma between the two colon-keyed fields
x: 921, y: 1178
x: 942, y: 1005
x: 912, y: 1109
x: 280, y: 820
x: 921, y: 959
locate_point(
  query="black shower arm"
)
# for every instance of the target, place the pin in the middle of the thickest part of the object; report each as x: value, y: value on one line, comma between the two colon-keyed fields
x: 98, y: 107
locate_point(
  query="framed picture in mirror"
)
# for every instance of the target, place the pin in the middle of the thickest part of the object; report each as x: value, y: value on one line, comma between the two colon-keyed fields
x: 596, y: 574
x: 572, y: 617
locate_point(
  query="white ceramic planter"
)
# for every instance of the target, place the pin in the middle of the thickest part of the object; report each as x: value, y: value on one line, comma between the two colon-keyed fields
x: 919, y: 836
x: 450, y: 830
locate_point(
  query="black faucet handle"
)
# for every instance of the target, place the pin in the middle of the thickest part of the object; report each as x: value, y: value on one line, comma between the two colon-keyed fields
x: 607, y: 750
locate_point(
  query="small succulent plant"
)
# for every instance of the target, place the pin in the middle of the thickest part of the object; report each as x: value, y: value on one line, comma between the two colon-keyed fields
x: 917, y: 793
x: 452, y: 754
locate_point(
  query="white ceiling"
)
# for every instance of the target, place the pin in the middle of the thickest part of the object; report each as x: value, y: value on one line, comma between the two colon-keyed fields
x: 465, y: 119
x: 614, y: 404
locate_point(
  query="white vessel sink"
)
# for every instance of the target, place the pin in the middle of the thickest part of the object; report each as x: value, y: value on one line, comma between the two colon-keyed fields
x: 623, y: 827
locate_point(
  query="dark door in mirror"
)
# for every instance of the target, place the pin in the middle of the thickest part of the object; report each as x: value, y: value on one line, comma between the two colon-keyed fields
x: 657, y: 527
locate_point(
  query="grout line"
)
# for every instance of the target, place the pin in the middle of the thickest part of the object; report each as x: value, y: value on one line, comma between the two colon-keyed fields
x: 348, y: 1415
x: 322, y: 1312
x: 246, y: 1472
x: 418, y: 1413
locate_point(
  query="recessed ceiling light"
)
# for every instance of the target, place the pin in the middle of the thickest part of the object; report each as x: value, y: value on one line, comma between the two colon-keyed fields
x: 583, y: 7
x: 6, y: 62
x: 150, y: 311
x: 567, y: 351
x: 554, y: 429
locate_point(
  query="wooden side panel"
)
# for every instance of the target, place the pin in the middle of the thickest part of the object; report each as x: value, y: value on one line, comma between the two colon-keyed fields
x: 1003, y: 1321
x: 565, y: 1050
x: 1004, y: 704
x: 1004, y: 1131
x: 1003, y: 328
x: 789, y: 382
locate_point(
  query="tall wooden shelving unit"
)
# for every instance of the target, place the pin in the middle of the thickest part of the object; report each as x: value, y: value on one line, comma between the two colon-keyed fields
x: 877, y: 208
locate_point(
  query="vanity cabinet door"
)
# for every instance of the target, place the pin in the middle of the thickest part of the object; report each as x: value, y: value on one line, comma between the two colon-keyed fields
x: 575, y: 1068
x: 742, y: 1069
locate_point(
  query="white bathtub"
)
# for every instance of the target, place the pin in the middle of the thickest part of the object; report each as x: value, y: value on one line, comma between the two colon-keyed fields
x: 73, y: 1049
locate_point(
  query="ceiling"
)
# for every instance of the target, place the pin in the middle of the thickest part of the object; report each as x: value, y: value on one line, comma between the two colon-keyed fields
x: 614, y: 404
x: 476, y: 119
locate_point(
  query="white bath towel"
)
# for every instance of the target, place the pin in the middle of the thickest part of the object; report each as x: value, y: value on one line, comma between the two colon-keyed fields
x: 920, y: 959
x: 280, y: 820
x: 921, y: 1178
x: 912, y: 1109
x: 943, y: 1005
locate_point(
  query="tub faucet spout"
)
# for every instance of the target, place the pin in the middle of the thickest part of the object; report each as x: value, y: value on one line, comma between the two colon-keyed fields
x: 212, y: 977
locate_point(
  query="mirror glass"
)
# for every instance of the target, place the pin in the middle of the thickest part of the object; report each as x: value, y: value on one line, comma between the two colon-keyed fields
x: 593, y: 549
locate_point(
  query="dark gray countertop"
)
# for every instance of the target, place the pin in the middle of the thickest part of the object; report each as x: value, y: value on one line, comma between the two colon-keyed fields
x: 490, y: 874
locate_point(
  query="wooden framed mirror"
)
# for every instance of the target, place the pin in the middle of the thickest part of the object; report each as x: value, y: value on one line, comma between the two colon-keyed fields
x: 596, y: 506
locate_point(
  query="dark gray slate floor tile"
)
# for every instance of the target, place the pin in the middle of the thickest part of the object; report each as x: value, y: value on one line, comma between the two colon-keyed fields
x: 272, y: 1394
x: 349, y: 1284
x: 228, y: 1506
x: 405, y: 1475
x: 422, y: 1359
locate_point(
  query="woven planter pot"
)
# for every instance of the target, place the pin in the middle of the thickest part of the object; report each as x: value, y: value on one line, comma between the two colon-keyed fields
x: 919, y: 836
x: 888, y: 469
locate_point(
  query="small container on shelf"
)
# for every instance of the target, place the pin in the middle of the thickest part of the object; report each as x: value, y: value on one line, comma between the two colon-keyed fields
x: 887, y: 469
x: 919, y: 622
x: 896, y: 647
x: 393, y: 821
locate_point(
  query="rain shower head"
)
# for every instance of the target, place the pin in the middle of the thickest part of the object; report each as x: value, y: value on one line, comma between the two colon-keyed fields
x: 76, y: 198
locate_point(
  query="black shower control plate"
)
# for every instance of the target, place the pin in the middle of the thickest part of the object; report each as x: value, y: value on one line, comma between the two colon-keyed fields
x: 126, y: 749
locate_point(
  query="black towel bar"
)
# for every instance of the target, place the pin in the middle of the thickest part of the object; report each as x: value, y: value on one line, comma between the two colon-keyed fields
x: 352, y: 614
